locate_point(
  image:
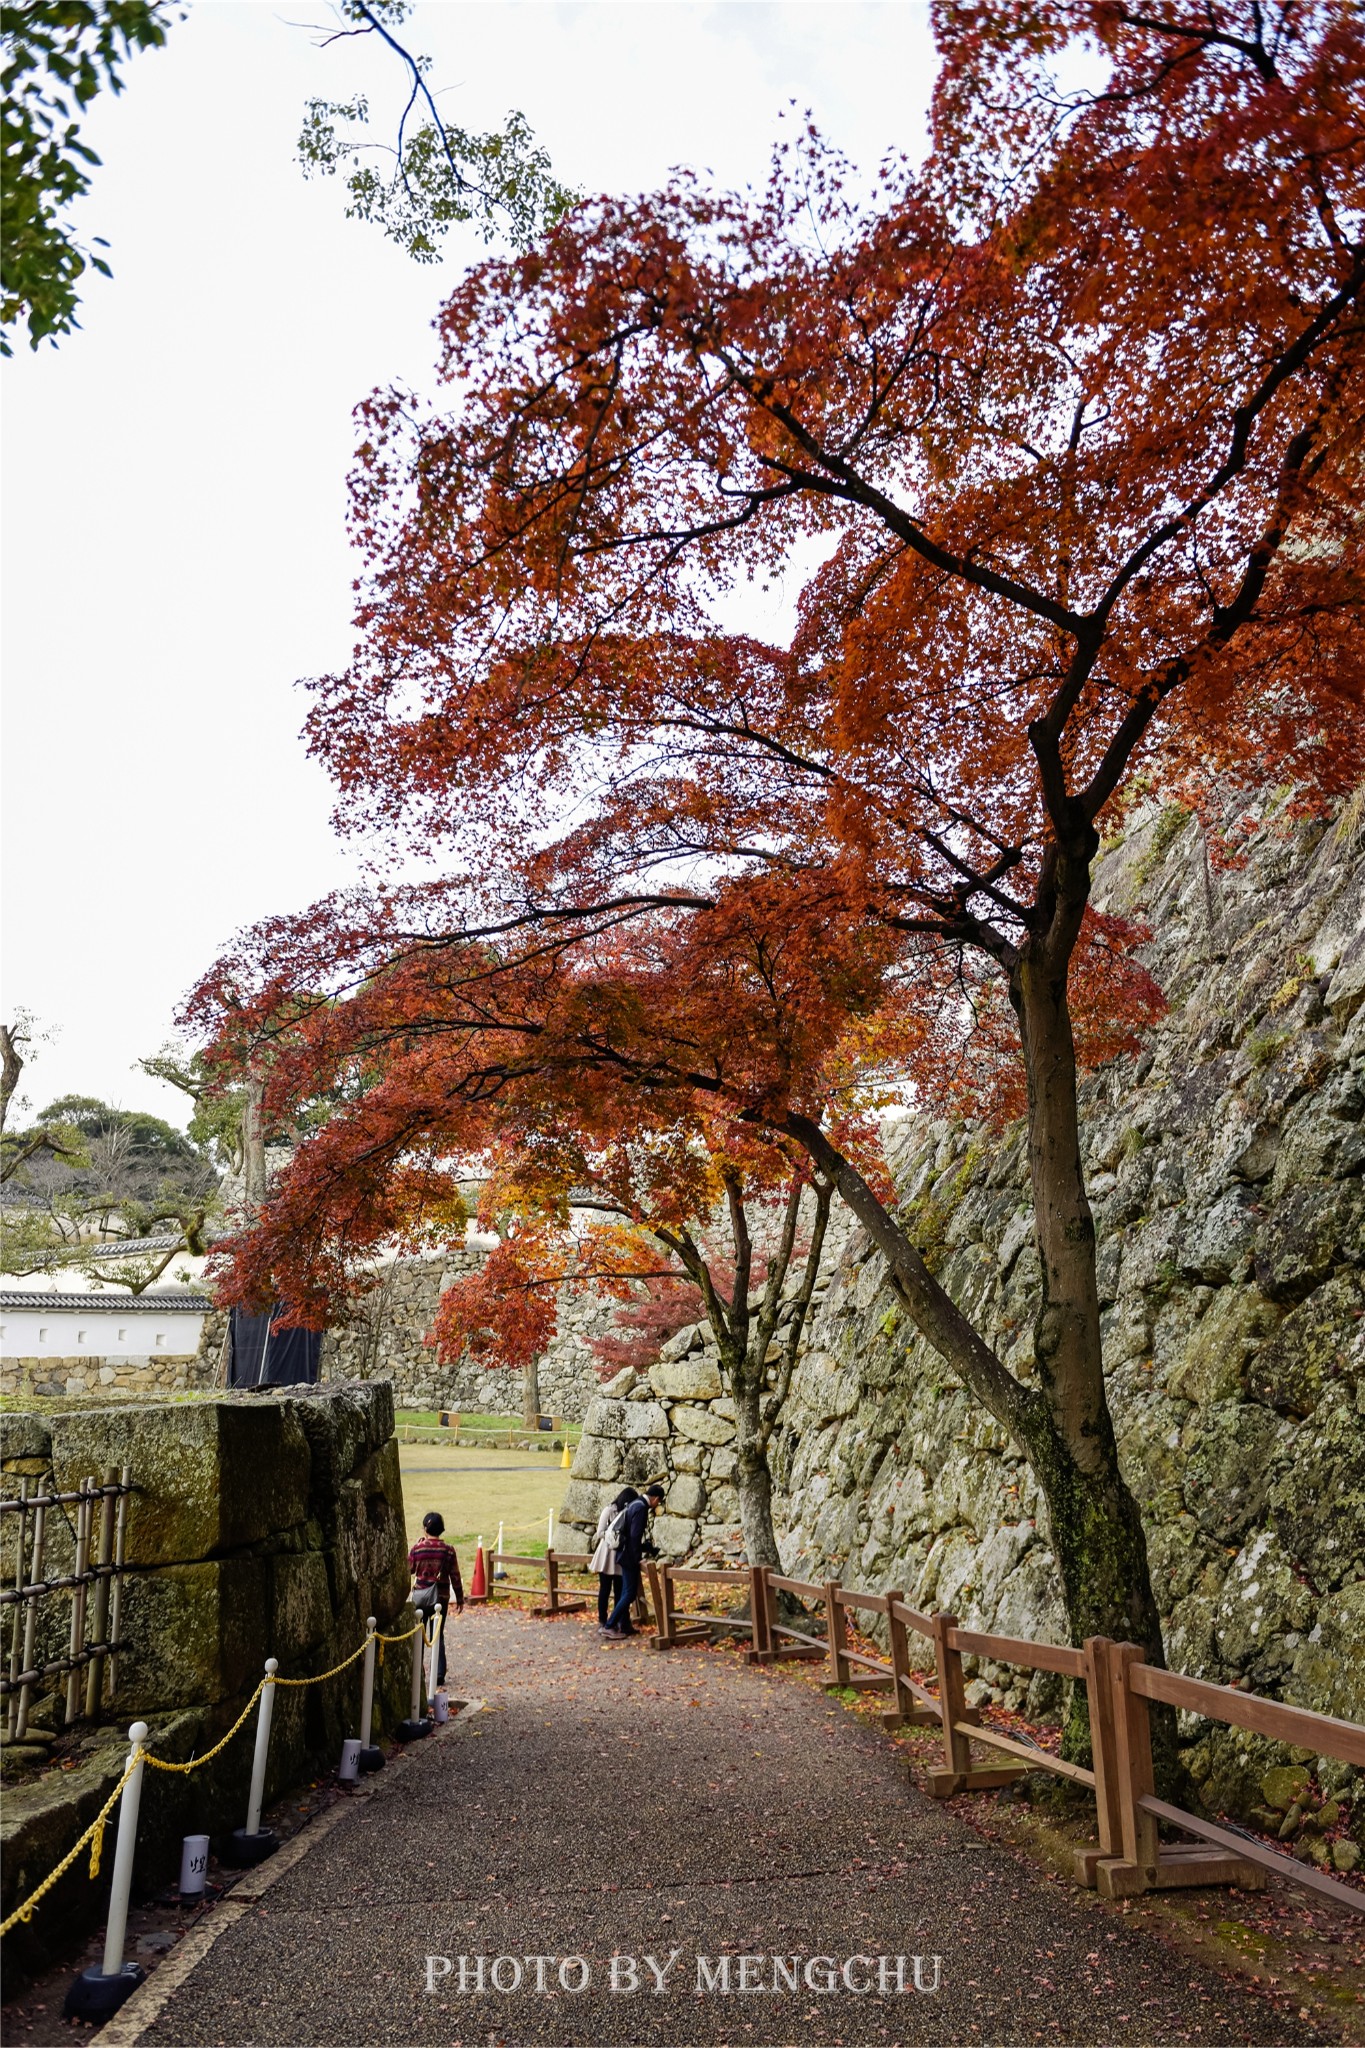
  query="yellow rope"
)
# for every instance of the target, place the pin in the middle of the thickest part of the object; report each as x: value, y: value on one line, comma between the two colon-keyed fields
x: 94, y: 1834
x: 197, y: 1762
x: 96, y: 1828
x: 318, y: 1678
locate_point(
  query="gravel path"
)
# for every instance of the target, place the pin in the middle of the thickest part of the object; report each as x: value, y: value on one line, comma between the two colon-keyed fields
x: 613, y: 1801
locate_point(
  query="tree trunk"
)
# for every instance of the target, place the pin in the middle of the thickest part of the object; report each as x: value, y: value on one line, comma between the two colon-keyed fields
x: 253, y: 1146
x: 753, y: 1480
x: 1063, y: 1426
x: 530, y: 1394
x: 1097, y: 1529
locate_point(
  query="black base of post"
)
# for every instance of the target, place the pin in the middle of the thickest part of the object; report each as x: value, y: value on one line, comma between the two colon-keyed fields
x: 371, y: 1759
x: 412, y: 1731
x: 96, y: 1998
x: 244, y: 1849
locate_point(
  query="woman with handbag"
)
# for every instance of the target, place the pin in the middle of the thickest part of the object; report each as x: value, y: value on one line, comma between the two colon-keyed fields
x: 603, y: 1559
x: 436, y: 1574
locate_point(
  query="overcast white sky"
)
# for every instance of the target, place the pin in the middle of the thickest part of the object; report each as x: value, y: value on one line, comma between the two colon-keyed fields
x: 174, y: 553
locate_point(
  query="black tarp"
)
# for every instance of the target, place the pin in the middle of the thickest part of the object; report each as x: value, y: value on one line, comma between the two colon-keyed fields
x: 262, y: 1357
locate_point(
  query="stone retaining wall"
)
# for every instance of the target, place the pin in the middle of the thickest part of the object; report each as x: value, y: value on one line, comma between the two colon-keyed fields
x: 1224, y: 1164
x: 261, y: 1525
x: 41, y: 1379
x: 388, y: 1338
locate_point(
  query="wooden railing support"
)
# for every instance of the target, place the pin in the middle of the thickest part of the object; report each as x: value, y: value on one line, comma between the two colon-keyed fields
x: 1142, y: 1863
x: 554, y: 1603
x: 1099, y: 1692
x: 905, y: 1710
x: 760, y: 1616
x: 836, y: 1631
x: 660, y: 1599
x: 959, y: 1774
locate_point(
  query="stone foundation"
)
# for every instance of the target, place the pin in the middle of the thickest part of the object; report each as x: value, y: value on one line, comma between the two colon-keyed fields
x: 42, y: 1379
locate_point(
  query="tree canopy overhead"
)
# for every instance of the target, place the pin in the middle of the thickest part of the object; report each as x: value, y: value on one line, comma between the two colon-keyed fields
x: 1070, y: 418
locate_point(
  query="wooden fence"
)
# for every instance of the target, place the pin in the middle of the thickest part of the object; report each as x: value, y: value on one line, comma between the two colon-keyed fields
x: 93, y: 1640
x: 1120, y: 1688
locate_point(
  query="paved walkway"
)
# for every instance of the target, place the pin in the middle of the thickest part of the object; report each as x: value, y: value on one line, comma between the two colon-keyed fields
x: 612, y: 1800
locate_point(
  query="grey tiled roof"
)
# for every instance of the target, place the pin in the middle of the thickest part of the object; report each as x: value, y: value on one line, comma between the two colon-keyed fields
x: 101, y: 1304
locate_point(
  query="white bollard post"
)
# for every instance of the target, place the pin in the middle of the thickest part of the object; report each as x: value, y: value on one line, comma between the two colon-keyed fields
x: 499, y: 1571
x: 116, y: 1927
x: 417, y: 1644
x: 434, y: 1665
x: 367, y: 1687
x: 550, y: 1531
x: 96, y: 1994
x: 258, y: 1762
x: 371, y: 1757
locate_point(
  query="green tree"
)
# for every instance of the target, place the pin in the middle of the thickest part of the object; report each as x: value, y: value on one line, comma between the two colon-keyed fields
x: 59, y: 55
x: 437, y: 176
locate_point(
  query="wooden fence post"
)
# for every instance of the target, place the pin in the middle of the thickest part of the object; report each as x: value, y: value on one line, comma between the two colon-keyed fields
x: 760, y: 1615
x: 1132, y: 1864
x: 1099, y: 1693
x: 952, y: 1707
x: 836, y: 1629
x: 659, y: 1599
x: 959, y: 1774
x: 899, y: 1664
x: 552, y: 1582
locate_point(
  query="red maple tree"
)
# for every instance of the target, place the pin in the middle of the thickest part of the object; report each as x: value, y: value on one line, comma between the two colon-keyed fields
x: 1068, y: 422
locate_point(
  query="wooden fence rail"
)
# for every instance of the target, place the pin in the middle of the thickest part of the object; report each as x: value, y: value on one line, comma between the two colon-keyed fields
x: 1129, y: 1857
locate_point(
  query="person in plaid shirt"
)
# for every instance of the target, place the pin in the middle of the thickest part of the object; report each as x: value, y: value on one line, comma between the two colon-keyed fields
x: 432, y: 1562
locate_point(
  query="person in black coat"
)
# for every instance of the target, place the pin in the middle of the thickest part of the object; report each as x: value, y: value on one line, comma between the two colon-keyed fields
x: 630, y: 1546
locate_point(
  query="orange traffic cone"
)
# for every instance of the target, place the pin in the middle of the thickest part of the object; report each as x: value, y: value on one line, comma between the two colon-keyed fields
x: 478, y: 1584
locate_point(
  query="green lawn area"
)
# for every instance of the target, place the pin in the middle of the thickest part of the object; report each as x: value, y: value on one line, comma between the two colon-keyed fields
x: 475, y: 1489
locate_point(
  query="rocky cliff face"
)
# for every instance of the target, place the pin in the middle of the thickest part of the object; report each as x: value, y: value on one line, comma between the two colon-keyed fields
x: 1225, y: 1166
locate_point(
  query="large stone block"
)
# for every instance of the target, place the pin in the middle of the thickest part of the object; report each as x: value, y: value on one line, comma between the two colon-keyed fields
x: 25, y: 1441
x: 196, y: 1633
x: 605, y: 1418
x: 823, y: 1389
x: 1211, y: 1363
x: 673, y: 1534
x: 1308, y: 1234
x: 1320, y: 1341
x: 645, y: 1419
x: 701, y: 1425
x: 1317, y: 1505
x: 1222, y: 1239
x: 682, y: 1341
x: 300, y: 1607
x: 687, y: 1379
x: 597, y: 1457
x: 686, y: 1496
x: 210, y: 1476
x: 1228, y: 1467
x: 583, y: 1502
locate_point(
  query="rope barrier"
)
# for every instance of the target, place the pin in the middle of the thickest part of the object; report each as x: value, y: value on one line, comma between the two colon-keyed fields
x: 94, y: 1834
x: 319, y: 1677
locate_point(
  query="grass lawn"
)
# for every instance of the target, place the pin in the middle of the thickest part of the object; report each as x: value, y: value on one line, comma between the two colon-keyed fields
x: 477, y: 1489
